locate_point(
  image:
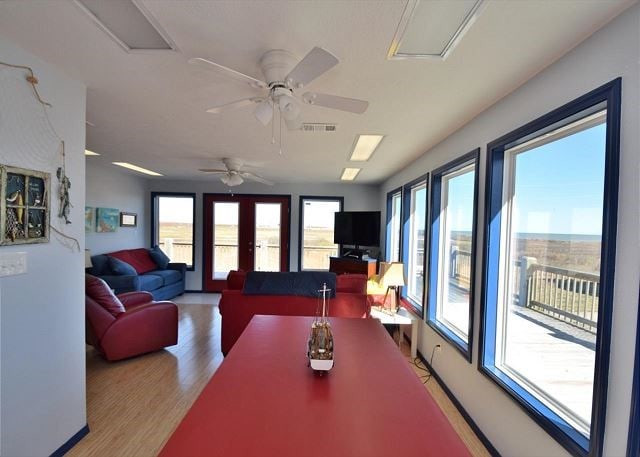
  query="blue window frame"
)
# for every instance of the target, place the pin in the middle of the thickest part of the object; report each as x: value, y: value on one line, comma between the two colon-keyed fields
x: 393, y: 237
x: 557, y: 176
x: 633, y: 443
x: 414, y: 240
x: 454, y: 190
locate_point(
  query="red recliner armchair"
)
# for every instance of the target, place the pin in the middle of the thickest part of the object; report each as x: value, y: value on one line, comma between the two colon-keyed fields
x: 129, y: 324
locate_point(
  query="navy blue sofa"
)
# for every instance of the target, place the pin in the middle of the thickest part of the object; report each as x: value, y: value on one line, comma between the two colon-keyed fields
x: 163, y: 284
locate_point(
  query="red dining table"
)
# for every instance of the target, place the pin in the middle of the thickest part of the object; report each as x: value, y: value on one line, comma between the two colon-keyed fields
x: 264, y: 400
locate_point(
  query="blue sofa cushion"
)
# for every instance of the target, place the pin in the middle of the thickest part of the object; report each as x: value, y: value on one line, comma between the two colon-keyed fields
x: 150, y: 282
x: 159, y: 257
x: 168, y: 276
x: 100, y: 265
x: 121, y: 267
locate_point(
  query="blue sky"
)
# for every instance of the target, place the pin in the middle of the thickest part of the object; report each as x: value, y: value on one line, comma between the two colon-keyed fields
x: 559, y: 186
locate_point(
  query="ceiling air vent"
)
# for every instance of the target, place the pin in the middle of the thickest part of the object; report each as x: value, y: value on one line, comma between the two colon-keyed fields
x: 306, y: 127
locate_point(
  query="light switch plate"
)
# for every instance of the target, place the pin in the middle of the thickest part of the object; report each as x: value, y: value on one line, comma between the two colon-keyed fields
x: 13, y: 263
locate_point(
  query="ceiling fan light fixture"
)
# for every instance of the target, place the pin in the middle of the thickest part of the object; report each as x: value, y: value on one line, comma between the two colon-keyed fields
x: 364, y: 147
x: 232, y: 180
x: 264, y: 112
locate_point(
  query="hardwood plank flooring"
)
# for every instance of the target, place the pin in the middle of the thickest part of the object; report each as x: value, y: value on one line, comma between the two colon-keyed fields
x: 133, y: 406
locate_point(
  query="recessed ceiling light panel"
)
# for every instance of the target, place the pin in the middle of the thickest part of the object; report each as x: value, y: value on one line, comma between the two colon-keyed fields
x: 133, y: 167
x: 431, y: 29
x: 87, y: 152
x: 364, y: 147
x: 349, y: 174
x: 128, y: 23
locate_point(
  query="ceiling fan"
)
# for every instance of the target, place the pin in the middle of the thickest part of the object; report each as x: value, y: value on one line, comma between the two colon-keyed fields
x: 233, y: 175
x: 283, y: 76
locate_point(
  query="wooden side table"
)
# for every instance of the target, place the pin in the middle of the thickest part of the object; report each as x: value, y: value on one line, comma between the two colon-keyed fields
x: 402, y: 317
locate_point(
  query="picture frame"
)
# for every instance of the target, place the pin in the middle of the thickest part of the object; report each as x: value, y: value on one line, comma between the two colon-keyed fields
x: 107, y: 220
x: 24, y: 208
x: 128, y: 219
x: 89, y: 219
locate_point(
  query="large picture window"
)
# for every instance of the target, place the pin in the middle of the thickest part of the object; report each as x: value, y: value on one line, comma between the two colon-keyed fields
x: 550, y: 245
x: 316, y: 231
x: 414, y: 240
x: 173, y: 224
x: 452, y: 250
x: 394, y: 223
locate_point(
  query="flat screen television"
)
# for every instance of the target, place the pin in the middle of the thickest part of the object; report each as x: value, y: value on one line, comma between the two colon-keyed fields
x: 357, y: 228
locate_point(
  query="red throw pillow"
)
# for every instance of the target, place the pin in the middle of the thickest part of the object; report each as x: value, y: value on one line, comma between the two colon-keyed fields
x: 235, y: 279
x: 101, y: 293
x: 139, y: 259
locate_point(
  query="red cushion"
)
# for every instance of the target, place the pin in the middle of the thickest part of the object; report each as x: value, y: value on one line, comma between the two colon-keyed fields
x: 139, y: 259
x: 101, y: 293
x: 235, y: 279
x: 351, y: 283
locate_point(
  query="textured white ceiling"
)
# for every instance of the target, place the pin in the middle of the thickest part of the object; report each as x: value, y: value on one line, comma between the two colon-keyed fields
x: 149, y: 108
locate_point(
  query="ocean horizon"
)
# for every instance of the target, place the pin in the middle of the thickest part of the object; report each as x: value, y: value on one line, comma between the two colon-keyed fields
x: 546, y: 236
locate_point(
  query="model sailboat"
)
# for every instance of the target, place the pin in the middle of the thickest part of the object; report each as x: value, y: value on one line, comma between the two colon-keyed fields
x: 320, y: 345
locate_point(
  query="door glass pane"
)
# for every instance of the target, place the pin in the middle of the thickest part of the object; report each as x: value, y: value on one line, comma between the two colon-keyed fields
x: 551, y: 263
x: 175, y: 228
x: 267, y: 237
x: 225, y: 238
x: 455, y: 250
x: 318, y: 218
x: 416, y: 243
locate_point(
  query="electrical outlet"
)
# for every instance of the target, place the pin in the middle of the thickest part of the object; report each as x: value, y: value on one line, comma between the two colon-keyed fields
x: 13, y: 263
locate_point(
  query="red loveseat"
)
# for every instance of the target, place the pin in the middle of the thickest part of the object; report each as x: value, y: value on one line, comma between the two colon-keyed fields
x: 237, y: 309
x: 129, y: 324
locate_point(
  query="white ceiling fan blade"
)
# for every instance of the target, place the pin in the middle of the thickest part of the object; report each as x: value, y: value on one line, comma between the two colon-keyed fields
x: 315, y: 63
x: 352, y: 105
x: 213, y: 170
x: 254, y: 177
x: 235, y: 104
x: 229, y: 72
x: 264, y: 112
x: 293, y: 124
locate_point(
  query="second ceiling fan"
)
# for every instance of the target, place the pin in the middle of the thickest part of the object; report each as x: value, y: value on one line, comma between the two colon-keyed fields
x: 283, y: 76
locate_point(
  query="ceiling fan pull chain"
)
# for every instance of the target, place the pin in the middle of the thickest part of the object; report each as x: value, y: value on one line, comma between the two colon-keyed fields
x: 280, y: 122
x: 273, y: 132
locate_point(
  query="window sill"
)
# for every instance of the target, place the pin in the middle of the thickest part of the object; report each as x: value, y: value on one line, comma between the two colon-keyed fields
x: 572, y: 440
x: 412, y: 306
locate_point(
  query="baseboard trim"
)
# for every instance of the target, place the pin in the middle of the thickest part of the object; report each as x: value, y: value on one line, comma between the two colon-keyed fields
x: 75, y: 439
x: 492, y: 450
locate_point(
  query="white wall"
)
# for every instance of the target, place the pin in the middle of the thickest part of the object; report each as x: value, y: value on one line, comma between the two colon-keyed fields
x: 611, y: 52
x: 42, y: 312
x: 109, y: 187
x: 356, y: 198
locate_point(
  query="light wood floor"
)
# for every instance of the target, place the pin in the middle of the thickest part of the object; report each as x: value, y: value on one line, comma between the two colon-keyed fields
x: 134, y: 405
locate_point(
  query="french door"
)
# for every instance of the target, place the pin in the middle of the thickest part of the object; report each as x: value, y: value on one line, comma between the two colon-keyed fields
x: 244, y: 232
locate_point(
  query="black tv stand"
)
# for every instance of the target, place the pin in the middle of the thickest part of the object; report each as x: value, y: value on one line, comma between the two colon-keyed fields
x: 355, y: 253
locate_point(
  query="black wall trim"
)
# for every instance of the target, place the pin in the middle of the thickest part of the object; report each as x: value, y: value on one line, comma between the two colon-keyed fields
x: 75, y: 439
x: 492, y: 450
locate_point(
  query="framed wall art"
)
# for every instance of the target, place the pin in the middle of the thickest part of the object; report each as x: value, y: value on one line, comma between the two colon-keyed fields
x: 128, y: 219
x: 107, y: 220
x: 89, y: 218
x: 24, y: 209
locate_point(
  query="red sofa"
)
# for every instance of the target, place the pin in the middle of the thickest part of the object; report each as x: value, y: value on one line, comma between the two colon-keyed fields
x: 237, y: 309
x: 129, y: 324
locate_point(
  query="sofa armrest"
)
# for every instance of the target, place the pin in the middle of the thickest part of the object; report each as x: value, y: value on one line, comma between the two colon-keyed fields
x: 178, y: 266
x: 122, y: 283
x: 130, y: 299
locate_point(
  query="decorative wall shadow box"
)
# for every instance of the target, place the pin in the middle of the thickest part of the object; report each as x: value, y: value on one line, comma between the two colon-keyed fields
x: 24, y: 209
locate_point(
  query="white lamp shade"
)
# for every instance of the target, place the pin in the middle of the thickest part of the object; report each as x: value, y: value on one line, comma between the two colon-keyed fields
x: 392, y: 274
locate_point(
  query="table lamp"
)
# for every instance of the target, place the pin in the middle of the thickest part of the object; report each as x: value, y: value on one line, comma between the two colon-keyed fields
x: 87, y: 259
x: 392, y: 277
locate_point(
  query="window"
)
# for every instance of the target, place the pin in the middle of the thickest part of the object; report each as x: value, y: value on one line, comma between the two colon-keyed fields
x: 550, y: 251
x: 173, y: 225
x: 414, y: 239
x: 226, y: 238
x: 316, y: 231
x: 394, y: 218
x: 452, y: 250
